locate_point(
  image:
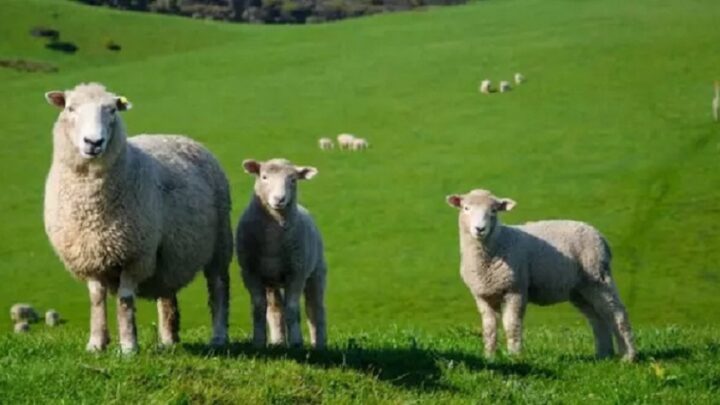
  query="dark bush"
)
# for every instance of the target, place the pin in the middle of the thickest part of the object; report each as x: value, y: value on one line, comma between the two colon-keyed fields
x: 66, y: 47
x: 45, y: 32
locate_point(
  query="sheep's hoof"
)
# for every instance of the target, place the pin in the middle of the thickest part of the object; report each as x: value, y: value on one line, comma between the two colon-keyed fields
x: 95, y: 347
x: 629, y: 358
x: 129, y: 350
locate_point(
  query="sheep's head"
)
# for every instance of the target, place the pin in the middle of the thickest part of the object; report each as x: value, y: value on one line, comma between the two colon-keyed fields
x: 276, y: 181
x: 89, y: 116
x: 478, y: 211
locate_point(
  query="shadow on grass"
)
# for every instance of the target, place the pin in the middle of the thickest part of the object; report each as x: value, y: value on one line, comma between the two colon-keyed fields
x: 642, y: 356
x: 407, y: 367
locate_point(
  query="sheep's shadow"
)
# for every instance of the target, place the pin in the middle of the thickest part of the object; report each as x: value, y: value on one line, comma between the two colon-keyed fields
x: 642, y: 356
x: 407, y: 367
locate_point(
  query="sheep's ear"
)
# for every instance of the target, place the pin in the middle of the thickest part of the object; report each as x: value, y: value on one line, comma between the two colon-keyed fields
x: 56, y: 98
x: 505, y: 204
x: 251, y: 166
x: 123, y: 104
x: 306, y: 172
x: 454, y: 200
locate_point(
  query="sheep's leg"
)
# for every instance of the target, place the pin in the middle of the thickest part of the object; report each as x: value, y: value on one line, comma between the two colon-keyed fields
x: 607, y: 304
x: 275, y: 316
x: 512, y: 317
x: 292, y: 313
x: 99, y: 336
x: 489, y: 325
x: 601, y: 328
x: 315, y: 310
x: 126, y: 314
x: 168, y: 320
x: 218, y: 286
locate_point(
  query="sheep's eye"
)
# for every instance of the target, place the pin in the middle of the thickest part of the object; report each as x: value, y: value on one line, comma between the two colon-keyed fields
x: 264, y: 177
x: 70, y: 108
x: 466, y: 208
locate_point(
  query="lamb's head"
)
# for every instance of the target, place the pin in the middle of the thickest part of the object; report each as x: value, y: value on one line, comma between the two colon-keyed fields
x: 276, y: 181
x: 89, y: 118
x: 478, y: 211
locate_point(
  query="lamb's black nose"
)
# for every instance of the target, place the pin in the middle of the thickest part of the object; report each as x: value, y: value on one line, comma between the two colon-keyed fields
x: 479, y: 229
x: 90, y: 142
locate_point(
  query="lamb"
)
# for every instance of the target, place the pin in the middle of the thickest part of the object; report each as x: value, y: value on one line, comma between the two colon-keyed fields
x: 519, y: 78
x: 135, y: 217
x: 325, y: 143
x: 359, y: 144
x: 52, y: 318
x: 486, y: 87
x: 504, y: 86
x: 345, y: 141
x: 716, y: 102
x: 280, y: 251
x: 544, y: 262
x: 23, y: 313
x: 21, y: 327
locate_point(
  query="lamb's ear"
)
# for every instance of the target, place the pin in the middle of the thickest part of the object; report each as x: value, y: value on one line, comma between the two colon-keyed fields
x: 306, y: 172
x: 505, y: 204
x: 122, y: 103
x: 251, y: 166
x: 454, y: 200
x: 56, y: 98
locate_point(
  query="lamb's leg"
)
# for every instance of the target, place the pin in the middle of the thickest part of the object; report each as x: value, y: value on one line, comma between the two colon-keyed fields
x: 292, y: 313
x: 275, y: 316
x: 315, y: 310
x: 258, y: 304
x: 99, y: 336
x: 607, y: 304
x: 512, y: 316
x: 168, y: 320
x: 601, y: 328
x: 126, y: 314
x: 489, y: 325
x: 218, y: 286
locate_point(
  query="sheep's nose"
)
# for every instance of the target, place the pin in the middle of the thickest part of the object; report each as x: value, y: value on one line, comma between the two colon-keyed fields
x: 280, y: 200
x: 91, y: 142
x: 479, y: 229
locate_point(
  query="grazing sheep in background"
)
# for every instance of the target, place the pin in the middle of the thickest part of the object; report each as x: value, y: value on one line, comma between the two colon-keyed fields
x: 280, y: 251
x: 325, y: 143
x: 486, y: 87
x: 716, y: 102
x: 23, y: 313
x: 137, y: 216
x: 345, y: 141
x: 52, y: 318
x: 544, y: 262
x: 504, y: 86
x: 519, y: 78
x: 21, y: 327
x: 360, y: 144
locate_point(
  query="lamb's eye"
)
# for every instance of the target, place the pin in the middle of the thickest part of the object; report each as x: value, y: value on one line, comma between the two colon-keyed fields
x: 466, y: 208
x: 264, y: 177
x: 71, y: 108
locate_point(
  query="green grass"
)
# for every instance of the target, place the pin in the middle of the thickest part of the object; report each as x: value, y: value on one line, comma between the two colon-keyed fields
x: 613, y: 127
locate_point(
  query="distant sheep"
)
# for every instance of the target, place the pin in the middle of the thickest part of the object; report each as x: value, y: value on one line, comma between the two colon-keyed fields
x: 23, y: 313
x: 326, y: 143
x: 280, y: 252
x: 136, y: 217
x: 359, y: 144
x: 345, y: 141
x: 519, y: 78
x: 544, y: 262
x: 21, y: 327
x: 716, y: 102
x: 52, y: 318
x: 486, y: 87
x: 505, y: 86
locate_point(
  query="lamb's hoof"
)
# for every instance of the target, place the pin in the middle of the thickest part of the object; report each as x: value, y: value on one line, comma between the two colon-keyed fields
x: 129, y: 350
x: 95, y: 346
x: 218, y: 341
x: 629, y: 358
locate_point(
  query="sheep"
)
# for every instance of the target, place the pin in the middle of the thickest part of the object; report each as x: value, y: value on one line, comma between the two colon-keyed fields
x: 22, y: 327
x: 23, y: 313
x: 345, y: 141
x: 52, y: 317
x: 519, y: 78
x: 486, y: 87
x: 504, y: 86
x: 542, y: 262
x: 325, y: 143
x: 716, y: 102
x: 359, y: 144
x: 280, y: 251
x: 135, y: 216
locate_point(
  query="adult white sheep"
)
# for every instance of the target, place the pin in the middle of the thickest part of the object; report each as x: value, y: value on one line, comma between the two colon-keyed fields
x: 360, y: 144
x: 325, y: 143
x: 519, y: 78
x: 486, y: 87
x: 544, y: 262
x: 137, y: 216
x: 23, y: 313
x: 505, y: 86
x: 345, y: 141
x: 280, y: 251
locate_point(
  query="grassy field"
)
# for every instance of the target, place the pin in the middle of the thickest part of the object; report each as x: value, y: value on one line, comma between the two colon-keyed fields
x: 613, y: 127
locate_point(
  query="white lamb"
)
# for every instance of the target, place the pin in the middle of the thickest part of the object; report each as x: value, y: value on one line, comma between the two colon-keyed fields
x: 280, y: 251
x: 21, y: 327
x: 52, y: 318
x: 359, y: 144
x: 486, y: 87
x: 345, y: 141
x: 519, y: 78
x: 138, y: 216
x: 504, y: 86
x: 544, y: 262
x: 325, y: 143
